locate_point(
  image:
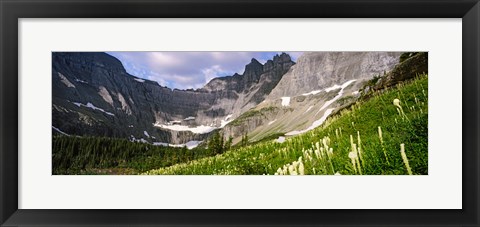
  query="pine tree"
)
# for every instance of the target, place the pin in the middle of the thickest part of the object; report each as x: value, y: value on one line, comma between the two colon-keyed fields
x: 228, y: 144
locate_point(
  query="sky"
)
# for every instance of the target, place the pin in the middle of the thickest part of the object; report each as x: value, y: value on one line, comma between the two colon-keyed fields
x: 183, y: 70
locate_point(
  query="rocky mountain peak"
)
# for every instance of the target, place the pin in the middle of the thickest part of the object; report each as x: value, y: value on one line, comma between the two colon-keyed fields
x: 319, y: 70
x: 253, y: 68
x: 282, y: 58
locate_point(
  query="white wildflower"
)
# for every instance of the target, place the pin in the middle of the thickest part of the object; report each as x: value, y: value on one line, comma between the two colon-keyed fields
x: 301, y: 169
x: 405, y: 159
x: 396, y: 102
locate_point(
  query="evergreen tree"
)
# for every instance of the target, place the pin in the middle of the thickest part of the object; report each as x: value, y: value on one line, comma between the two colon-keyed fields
x: 228, y: 144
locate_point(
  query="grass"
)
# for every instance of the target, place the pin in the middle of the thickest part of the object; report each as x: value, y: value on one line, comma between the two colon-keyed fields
x: 371, y: 137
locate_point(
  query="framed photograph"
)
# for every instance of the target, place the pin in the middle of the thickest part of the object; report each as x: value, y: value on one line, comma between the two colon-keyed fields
x: 239, y: 113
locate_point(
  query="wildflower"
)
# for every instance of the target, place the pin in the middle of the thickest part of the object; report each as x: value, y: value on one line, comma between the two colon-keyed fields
x: 353, y: 156
x: 317, y: 153
x: 337, y: 174
x: 301, y: 169
x: 405, y: 159
x: 381, y: 143
x: 291, y: 170
x: 396, y: 102
x: 359, y: 144
x: 380, y: 134
x: 357, y: 160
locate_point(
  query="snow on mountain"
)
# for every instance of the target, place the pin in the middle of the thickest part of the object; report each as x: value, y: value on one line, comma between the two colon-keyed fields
x: 285, y: 101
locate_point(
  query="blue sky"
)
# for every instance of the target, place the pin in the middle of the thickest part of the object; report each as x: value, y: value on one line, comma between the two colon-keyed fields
x: 184, y: 70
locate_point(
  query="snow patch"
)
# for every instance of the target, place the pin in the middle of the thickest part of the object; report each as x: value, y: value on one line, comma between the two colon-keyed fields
x: 60, y: 131
x: 133, y: 139
x: 226, y: 120
x: 285, y: 101
x: 309, y: 108
x: 202, y: 129
x: 312, y: 93
x: 130, y: 126
x: 81, y: 81
x: 189, y: 118
x: 340, y: 93
x: 271, y: 122
x: 280, y: 139
x: 146, y: 134
x: 190, y: 144
x: 314, y: 124
x: 139, y: 80
x: 91, y: 106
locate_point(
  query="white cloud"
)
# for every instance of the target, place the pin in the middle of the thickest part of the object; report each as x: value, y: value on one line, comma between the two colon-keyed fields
x: 212, y: 72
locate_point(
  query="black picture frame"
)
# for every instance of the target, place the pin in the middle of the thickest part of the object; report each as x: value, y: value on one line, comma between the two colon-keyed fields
x: 12, y: 10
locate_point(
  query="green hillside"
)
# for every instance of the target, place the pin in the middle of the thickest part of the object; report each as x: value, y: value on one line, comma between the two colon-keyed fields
x: 366, y: 138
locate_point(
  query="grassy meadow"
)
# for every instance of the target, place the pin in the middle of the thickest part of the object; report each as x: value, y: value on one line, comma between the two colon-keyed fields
x: 386, y: 134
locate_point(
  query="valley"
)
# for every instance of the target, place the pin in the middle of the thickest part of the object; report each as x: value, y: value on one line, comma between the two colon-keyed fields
x: 313, y: 116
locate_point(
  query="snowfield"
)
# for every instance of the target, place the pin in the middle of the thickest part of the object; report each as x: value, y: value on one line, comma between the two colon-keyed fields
x: 91, y: 106
x: 190, y: 144
x: 314, y: 124
x: 81, y: 81
x: 60, y: 131
x: 189, y: 118
x: 202, y: 129
x: 285, y: 101
x: 139, y: 80
x: 271, y: 122
x: 340, y: 93
x: 312, y: 93
x: 309, y: 108
x: 226, y: 120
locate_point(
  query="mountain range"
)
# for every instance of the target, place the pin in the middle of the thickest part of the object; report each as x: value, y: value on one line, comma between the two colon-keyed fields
x: 93, y: 95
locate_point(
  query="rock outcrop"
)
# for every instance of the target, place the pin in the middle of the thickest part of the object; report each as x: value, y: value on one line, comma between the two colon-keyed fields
x: 318, y: 70
x: 408, y: 69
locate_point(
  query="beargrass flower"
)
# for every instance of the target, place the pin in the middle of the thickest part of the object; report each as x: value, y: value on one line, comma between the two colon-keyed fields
x: 396, y: 102
x: 380, y: 134
x: 405, y: 159
x: 291, y: 169
x: 301, y: 169
x: 352, y: 155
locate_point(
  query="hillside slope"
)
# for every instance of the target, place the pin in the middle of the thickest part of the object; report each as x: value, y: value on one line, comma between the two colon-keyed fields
x: 384, y: 134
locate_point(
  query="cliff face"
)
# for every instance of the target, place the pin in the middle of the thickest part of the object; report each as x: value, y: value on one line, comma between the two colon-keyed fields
x: 94, y: 95
x: 319, y: 84
x: 318, y: 70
